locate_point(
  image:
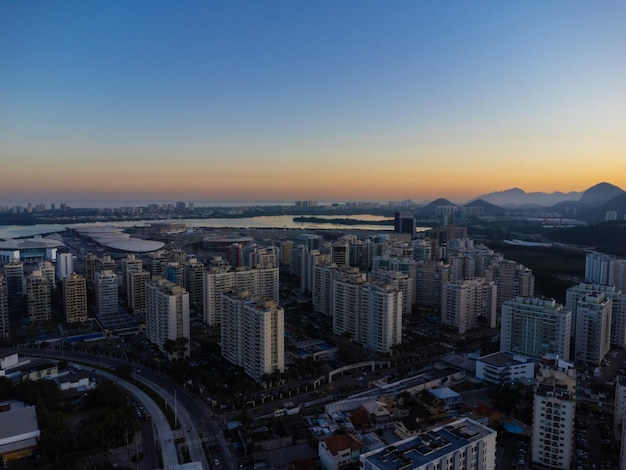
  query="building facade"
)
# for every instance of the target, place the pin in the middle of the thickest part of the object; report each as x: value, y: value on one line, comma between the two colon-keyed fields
x: 75, y: 298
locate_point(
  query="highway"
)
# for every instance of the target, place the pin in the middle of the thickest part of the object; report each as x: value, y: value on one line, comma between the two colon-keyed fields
x: 192, y: 413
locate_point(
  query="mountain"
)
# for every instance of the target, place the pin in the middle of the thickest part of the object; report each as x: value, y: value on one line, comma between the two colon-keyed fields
x: 431, y: 209
x: 516, y: 197
x: 599, y: 194
x: 617, y: 204
x: 488, y: 208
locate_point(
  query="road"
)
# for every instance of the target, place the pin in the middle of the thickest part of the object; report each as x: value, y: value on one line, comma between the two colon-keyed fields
x: 191, y: 412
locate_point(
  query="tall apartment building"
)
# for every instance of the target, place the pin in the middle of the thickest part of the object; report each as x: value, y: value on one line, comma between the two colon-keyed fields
x: 253, y: 334
x: 593, y: 329
x: 404, y: 222
x: 513, y: 280
x: 176, y: 256
x: 535, y: 327
x: 340, y: 252
x: 14, y: 275
x: 167, y: 318
x: 106, y: 263
x: 381, y: 308
x: 606, y: 270
x: 255, y: 256
x: 193, y: 272
x: 619, y: 409
x: 554, y: 411
x: 430, y: 278
x: 64, y: 265
x: 618, y: 311
x: 75, y: 298
x: 90, y: 262
x: 174, y: 272
x: 129, y: 263
x: 310, y: 260
x: 422, y: 250
x: 220, y: 279
x: 406, y: 266
x: 399, y: 281
x: 469, y: 304
x: 156, y: 264
x: 460, y: 445
x: 136, y: 290
x: 285, y: 247
x: 105, y: 283
x: 323, y: 285
x: 4, y: 308
x: 39, y: 298
x: 48, y: 271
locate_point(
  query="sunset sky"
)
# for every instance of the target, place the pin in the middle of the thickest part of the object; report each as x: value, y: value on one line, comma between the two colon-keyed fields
x: 326, y: 100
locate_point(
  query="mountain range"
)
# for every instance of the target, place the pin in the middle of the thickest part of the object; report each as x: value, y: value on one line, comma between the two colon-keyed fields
x: 590, y: 205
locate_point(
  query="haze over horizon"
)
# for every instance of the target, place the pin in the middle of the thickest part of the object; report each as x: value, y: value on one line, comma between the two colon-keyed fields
x: 329, y: 101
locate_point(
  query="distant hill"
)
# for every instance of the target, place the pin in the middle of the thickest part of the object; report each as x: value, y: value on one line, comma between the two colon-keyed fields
x: 516, y: 197
x: 430, y: 209
x: 599, y: 194
x: 617, y: 204
x: 488, y: 208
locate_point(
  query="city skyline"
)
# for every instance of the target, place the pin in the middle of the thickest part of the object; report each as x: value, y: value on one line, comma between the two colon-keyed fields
x: 282, y: 101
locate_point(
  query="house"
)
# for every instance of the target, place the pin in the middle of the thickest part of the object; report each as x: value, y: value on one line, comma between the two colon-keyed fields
x: 19, y: 432
x: 339, y: 451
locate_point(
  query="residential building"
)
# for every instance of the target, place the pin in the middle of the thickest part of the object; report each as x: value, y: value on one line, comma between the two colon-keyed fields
x: 136, y: 290
x: 220, y: 278
x: 14, y: 275
x: 89, y: 262
x: 253, y: 334
x: 404, y: 222
x: 167, y: 318
x: 554, y: 411
x: 339, y: 451
x: 593, y: 329
x: 535, y: 327
x: 130, y: 263
x: 618, y: 311
x: 285, y: 247
x: 619, y: 408
x: 19, y: 433
x: 430, y: 279
x: 461, y: 445
x: 513, y: 280
x: 469, y: 304
x: 503, y: 367
x: 105, y: 283
x: 194, y: 283
x: 75, y: 298
x: 64, y: 265
x: 4, y: 308
x: 39, y: 298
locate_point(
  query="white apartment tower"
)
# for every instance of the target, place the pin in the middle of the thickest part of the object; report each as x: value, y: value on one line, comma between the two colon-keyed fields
x: 39, y: 298
x: 75, y: 298
x: 130, y: 263
x: 618, y: 311
x: 253, y: 334
x: 593, y: 329
x: 4, y: 308
x: 513, y: 280
x: 468, y: 304
x: 554, y: 411
x: 167, y: 318
x: 259, y: 282
x: 65, y: 265
x: 535, y: 327
x: 381, y: 308
x: 106, y: 292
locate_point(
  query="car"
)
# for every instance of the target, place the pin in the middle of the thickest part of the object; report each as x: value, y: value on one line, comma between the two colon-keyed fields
x: 216, y: 462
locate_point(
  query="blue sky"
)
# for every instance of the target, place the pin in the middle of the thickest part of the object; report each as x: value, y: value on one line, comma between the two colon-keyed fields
x: 349, y: 100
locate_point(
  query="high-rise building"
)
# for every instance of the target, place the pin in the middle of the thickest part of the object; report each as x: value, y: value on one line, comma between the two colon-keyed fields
x: 39, y: 298
x: 106, y: 292
x: 399, y: 281
x: 193, y: 272
x: 285, y: 247
x: 65, y: 265
x: 619, y: 410
x: 167, y: 318
x: 219, y: 279
x: 324, y: 277
x: 253, y: 334
x: 460, y: 445
x: 618, y: 311
x: 422, y: 250
x: 106, y: 263
x: 90, y: 262
x: 4, y: 308
x: 47, y: 269
x: 381, y: 310
x: 513, y: 280
x: 535, y: 327
x: 469, y: 304
x: 554, y: 411
x: 130, y: 263
x: 136, y: 290
x: 14, y: 275
x: 430, y: 278
x: 593, y: 329
x: 404, y: 222
x: 174, y: 272
x: 75, y: 298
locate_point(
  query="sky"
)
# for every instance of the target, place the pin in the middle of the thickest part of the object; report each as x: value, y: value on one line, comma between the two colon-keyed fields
x: 350, y: 100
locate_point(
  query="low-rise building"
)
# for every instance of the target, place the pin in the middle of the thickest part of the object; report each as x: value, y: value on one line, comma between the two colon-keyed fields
x: 503, y: 367
x: 19, y: 432
x: 339, y: 451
